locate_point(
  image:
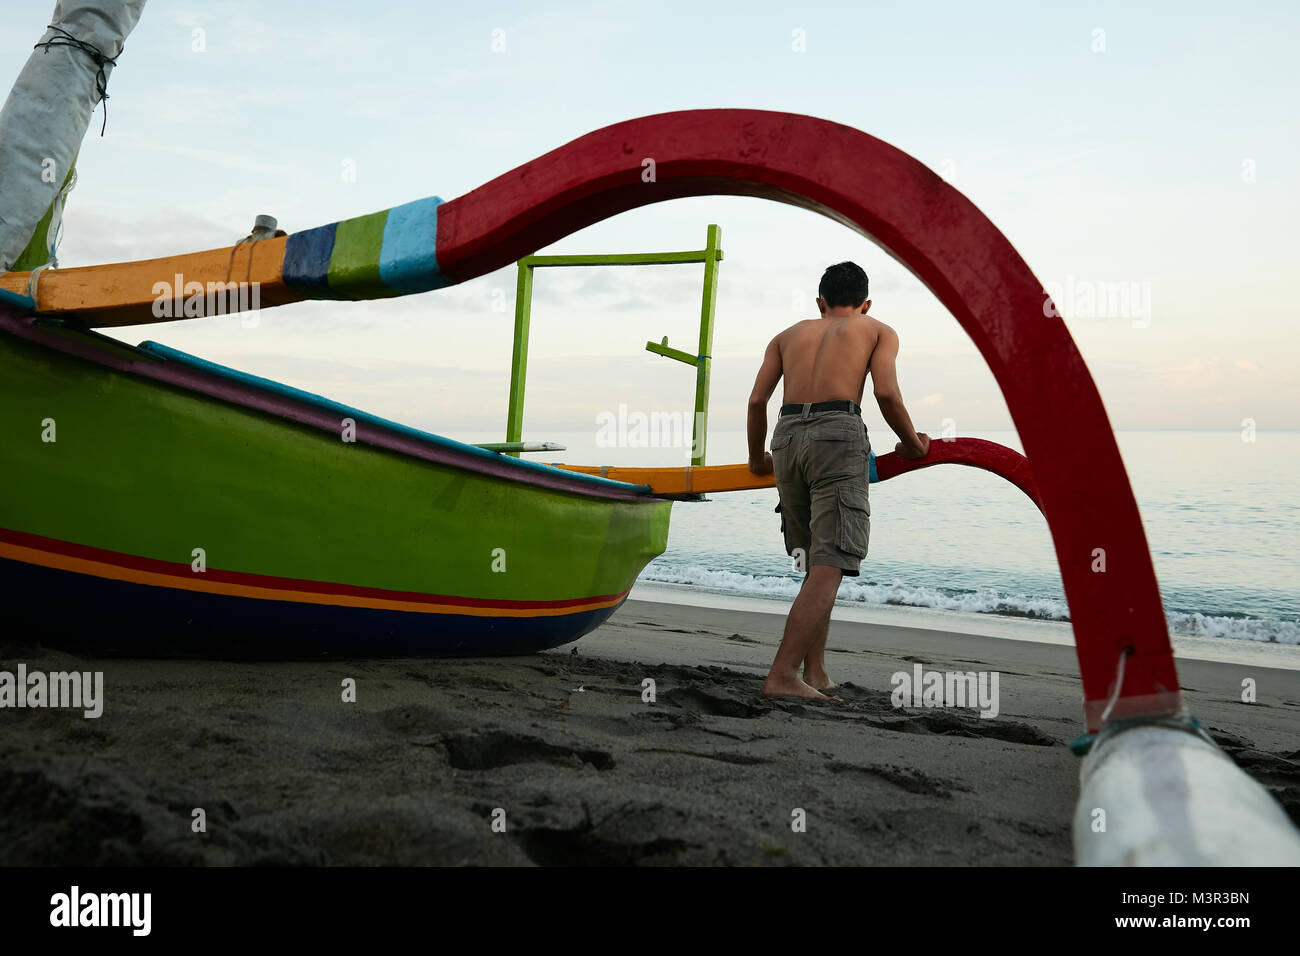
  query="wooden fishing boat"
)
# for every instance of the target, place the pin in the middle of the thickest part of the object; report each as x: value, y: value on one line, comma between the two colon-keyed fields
x: 157, y: 502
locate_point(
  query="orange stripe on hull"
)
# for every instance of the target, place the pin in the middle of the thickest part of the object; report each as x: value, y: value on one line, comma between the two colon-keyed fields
x: 103, y: 569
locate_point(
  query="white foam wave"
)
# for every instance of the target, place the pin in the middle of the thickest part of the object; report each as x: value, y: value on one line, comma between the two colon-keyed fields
x: 1235, y: 628
x: 978, y: 601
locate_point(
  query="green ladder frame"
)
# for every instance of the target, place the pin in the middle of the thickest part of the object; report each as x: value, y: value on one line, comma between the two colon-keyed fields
x: 702, y: 360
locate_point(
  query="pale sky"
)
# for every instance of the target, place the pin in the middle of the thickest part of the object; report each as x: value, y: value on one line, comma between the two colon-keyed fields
x: 1154, y: 148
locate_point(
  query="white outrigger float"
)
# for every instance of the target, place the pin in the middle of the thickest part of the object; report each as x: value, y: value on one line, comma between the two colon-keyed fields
x: 1168, y: 796
x: 1154, y: 789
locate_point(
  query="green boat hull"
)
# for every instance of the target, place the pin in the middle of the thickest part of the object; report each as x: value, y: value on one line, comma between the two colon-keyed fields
x: 145, y: 515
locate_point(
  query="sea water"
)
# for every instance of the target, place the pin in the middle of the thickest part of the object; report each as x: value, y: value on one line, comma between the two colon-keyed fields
x: 1219, y: 512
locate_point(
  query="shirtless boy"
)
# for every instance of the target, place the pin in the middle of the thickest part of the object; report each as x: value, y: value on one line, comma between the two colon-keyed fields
x: 819, y: 456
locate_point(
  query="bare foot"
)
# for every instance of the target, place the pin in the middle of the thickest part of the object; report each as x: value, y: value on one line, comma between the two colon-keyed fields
x: 819, y: 680
x: 791, y: 687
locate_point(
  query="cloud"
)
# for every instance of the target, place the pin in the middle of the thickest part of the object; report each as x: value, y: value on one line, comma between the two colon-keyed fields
x: 227, y: 25
x: 242, y: 161
x: 91, y: 237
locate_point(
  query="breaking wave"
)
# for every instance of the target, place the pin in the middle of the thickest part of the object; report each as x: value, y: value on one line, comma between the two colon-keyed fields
x: 972, y: 601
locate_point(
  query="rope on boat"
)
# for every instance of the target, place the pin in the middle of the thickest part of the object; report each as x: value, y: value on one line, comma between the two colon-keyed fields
x: 56, y: 218
x: 263, y: 228
x: 1084, y: 744
x: 230, y: 265
x: 53, y: 237
x: 1119, y: 682
x: 32, y: 279
x: 97, y: 56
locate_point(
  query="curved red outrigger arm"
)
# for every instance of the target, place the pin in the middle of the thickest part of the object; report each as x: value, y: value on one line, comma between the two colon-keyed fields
x: 976, y: 452
x: 930, y: 227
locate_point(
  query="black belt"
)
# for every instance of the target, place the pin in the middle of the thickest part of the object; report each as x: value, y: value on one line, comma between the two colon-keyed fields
x: 839, y: 405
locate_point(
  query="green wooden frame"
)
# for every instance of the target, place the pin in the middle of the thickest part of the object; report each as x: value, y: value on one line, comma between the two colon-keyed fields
x: 702, y: 360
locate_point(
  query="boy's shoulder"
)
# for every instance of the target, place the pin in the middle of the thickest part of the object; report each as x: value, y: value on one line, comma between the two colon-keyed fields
x: 785, y: 333
x: 885, y: 331
x: 870, y: 327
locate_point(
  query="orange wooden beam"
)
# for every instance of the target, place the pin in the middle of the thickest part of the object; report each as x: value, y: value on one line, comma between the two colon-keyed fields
x: 128, y: 293
x: 681, y: 481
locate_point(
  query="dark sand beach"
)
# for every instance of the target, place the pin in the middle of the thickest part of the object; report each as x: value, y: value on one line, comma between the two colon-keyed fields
x: 585, y: 771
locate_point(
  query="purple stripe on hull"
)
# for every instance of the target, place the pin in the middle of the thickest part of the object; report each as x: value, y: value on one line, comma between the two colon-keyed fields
x: 83, y: 346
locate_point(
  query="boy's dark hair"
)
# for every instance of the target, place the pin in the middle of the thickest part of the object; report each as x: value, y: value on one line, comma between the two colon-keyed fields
x: 843, y: 284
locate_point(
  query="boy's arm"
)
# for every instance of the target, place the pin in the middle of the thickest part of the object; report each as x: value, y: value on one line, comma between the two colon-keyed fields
x: 769, y: 374
x: 884, y: 381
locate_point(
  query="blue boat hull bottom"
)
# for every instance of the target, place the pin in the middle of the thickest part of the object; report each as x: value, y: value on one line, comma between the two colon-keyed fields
x: 106, y: 617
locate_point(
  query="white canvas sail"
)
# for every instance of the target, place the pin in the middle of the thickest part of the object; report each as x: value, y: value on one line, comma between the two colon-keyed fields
x: 45, y: 118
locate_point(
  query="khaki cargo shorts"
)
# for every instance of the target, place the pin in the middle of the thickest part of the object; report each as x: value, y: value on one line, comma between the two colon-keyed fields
x: 821, y: 465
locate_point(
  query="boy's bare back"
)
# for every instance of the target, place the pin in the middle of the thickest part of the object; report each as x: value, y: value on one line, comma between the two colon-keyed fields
x: 829, y: 358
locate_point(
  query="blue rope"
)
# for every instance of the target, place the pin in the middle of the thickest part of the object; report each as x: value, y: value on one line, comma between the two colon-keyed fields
x: 1084, y: 744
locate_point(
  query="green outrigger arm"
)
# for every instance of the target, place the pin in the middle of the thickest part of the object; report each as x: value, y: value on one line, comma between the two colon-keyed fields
x: 710, y: 255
